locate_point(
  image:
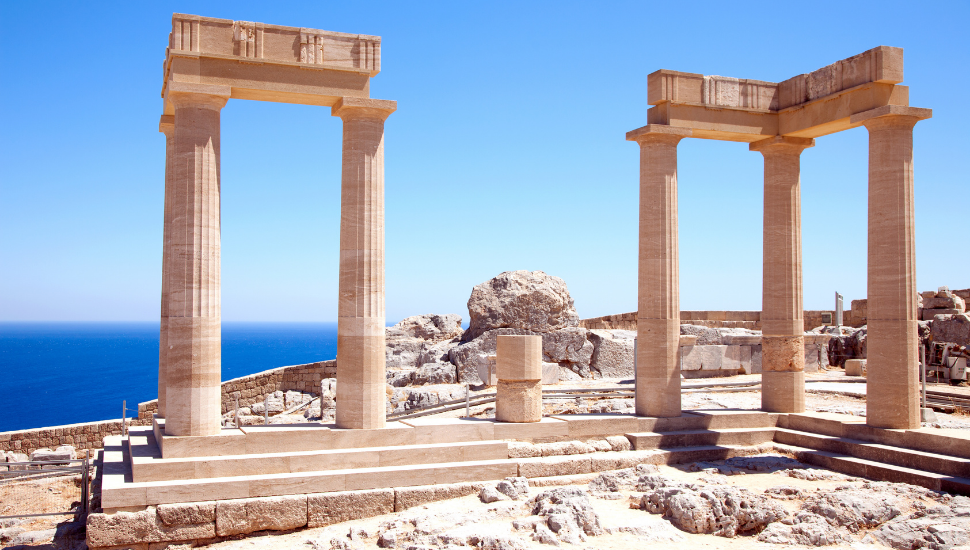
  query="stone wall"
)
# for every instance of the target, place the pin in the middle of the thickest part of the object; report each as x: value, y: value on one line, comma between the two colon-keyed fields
x: 255, y: 387
x: 728, y: 319
x: 89, y: 435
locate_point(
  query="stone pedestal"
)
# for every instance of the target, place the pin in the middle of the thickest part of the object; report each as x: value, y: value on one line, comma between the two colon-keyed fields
x: 193, y: 377
x: 782, y: 322
x: 892, y: 397
x: 519, y: 391
x: 658, y: 312
x: 166, y: 125
x: 360, y: 326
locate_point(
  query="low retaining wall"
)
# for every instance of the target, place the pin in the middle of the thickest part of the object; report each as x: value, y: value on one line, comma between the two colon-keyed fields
x: 728, y: 319
x: 88, y: 435
x: 255, y: 387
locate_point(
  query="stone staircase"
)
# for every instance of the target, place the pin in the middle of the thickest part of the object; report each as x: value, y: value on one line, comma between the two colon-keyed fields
x: 933, y: 459
x: 473, y: 451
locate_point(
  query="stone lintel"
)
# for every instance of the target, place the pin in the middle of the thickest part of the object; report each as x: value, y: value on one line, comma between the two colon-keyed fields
x: 882, y: 64
x: 380, y: 107
x: 796, y: 144
x: 248, y: 40
x: 657, y: 130
x: 223, y: 92
x: 891, y: 110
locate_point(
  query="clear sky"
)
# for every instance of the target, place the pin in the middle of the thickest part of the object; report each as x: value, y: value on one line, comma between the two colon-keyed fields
x: 507, y: 152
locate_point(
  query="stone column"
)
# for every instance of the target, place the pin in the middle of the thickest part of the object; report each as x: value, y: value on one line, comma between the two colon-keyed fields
x: 518, y: 396
x: 782, y: 309
x: 361, y: 380
x: 658, y: 311
x: 892, y: 397
x: 166, y: 125
x: 193, y: 393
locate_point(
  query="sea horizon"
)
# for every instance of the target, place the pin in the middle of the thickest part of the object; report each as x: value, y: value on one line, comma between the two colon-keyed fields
x: 69, y: 372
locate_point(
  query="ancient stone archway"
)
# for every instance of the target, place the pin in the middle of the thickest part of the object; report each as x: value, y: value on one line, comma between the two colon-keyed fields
x: 209, y: 61
x: 780, y: 120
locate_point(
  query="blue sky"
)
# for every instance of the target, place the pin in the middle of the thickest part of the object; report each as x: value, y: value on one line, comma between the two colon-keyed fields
x: 507, y: 152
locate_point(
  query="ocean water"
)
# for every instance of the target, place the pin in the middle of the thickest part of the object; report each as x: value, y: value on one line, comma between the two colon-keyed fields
x: 65, y: 373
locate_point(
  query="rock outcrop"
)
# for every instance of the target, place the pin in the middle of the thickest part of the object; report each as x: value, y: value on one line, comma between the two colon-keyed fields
x: 526, y: 300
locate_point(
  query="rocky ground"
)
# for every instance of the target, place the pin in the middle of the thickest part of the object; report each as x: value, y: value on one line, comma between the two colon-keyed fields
x: 765, y: 501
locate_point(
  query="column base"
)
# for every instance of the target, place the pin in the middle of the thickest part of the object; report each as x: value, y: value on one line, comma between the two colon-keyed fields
x: 518, y: 401
x: 658, y: 368
x: 783, y: 392
x: 892, y: 392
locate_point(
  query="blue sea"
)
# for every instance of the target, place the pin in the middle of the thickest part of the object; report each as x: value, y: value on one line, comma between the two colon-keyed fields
x: 65, y: 373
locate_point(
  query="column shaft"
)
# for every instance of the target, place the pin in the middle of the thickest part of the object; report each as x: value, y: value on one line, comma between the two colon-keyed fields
x: 166, y: 126
x: 658, y: 311
x: 892, y: 399
x: 782, y: 314
x: 361, y: 378
x: 193, y: 393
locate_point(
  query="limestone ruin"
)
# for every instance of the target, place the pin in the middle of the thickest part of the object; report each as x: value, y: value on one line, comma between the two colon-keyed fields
x: 197, y: 474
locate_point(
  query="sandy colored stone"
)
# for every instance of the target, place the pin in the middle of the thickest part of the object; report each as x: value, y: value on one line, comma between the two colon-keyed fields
x: 518, y: 401
x: 329, y: 508
x: 892, y: 398
x: 235, y: 517
x: 855, y: 367
x: 193, y: 377
x: 518, y: 358
x: 788, y: 395
x: 187, y: 513
x: 360, y: 308
x: 124, y: 528
x: 658, y: 314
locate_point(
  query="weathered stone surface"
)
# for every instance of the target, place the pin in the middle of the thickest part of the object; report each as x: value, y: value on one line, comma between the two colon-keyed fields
x: 409, y: 497
x: 65, y: 452
x: 952, y: 328
x: 570, y: 348
x: 568, y: 513
x: 234, y: 517
x: 705, y: 336
x: 123, y: 528
x: 528, y: 300
x: 490, y: 494
x: 807, y: 529
x: 939, y: 528
x: 187, y: 513
x: 856, y: 509
x: 612, y: 353
x: 434, y: 373
x: 429, y: 327
x: 619, y: 442
x: 329, y: 508
x: 725, y: 511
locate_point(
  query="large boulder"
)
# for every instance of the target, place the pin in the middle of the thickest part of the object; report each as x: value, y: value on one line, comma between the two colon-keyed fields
x: 612, y: 353
x: 952, y: 328
x: 524, y: 300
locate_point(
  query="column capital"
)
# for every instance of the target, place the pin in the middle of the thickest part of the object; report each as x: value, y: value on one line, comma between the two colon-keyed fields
x: 654, y: 133
x: 359, y: 107
x: 166, y: 124
x: 891, y: 115
x: 182, y: 94
x: 781, y: 145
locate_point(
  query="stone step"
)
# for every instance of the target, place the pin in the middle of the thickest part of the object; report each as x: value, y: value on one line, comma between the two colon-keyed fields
x: 876, y: 452
x: 949, y: 442
x: 879, y: 471
x: 147, y: 463
x: 120, y: 492
x: 695, y: 438
x: 716, y: 419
